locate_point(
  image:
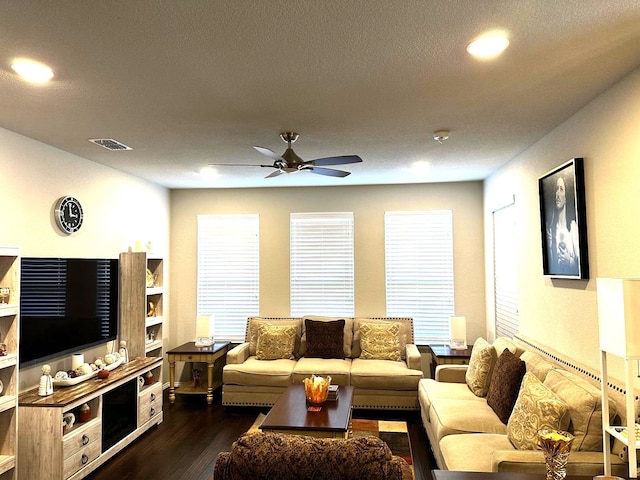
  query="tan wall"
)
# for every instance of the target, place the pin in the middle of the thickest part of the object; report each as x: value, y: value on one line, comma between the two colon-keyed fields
x: 368, y: 204
x: 563, y: 313
x: 118, y: 210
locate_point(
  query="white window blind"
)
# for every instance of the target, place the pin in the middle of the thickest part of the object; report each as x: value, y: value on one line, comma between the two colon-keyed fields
x: 419, y: 270
x: 322, y: 264
x: 505, y: 272
x: 228, y: 272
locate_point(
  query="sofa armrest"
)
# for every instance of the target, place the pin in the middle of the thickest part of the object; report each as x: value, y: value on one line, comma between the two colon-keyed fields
x: 238, y: 354
x: 532, y: 461
x: 451, y: 373
x: 414, y: 357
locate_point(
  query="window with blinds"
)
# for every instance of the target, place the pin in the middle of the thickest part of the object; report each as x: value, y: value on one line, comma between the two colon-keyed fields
x: 419, y: 270
x: 228, y: 272
x: 505, y: 272
x: 322, y: 267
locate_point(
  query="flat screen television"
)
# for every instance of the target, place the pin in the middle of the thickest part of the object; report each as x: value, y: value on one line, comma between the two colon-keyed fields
x: 66, y: 305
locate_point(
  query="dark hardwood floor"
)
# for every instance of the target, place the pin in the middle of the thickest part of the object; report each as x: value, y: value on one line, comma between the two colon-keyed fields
x: 185, y: 445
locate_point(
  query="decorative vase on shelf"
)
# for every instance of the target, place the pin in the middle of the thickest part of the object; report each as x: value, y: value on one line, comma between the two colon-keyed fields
x: 556, y: 446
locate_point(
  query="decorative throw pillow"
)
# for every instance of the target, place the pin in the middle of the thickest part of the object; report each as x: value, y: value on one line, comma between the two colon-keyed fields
x: 478, y: 375
x: 536, y: 408
x: 324, y: 339
x: 380, y: 341
x: 505, y: 384
x: 256, y: 322
x: 275, y: 341
x: 406, y: 334
x: 585, y: 408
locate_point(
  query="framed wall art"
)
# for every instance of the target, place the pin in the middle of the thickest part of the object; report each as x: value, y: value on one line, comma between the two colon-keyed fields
x: 563, y: 221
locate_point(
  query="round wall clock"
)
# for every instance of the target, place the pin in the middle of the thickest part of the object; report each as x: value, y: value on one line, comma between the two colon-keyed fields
x: 69, y: 214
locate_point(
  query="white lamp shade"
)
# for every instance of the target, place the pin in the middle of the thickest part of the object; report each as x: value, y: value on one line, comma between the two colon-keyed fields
x: 619, y: 316
x: 204, y: 326
x: 458, y: 332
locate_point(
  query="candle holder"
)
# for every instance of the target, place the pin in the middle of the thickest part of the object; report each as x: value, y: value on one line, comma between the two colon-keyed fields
x: 316, y: 390
x: 556, y: 446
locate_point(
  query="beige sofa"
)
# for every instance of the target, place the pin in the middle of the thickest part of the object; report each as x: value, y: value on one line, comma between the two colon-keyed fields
x: 249, y: 380
x: 466, y: 433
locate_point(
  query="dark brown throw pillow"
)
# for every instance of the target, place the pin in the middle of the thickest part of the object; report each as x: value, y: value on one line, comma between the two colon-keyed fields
x: 505, y: 384
x: 324, y: 339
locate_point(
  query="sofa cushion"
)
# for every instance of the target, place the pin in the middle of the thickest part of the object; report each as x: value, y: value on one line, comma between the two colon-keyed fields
x: 255, y: 322
x: 453, y: 417
x: 429, y: 389
x: 348, y: 333
x: 536, y: 364
x: 324, y: 339
x: 472, y: 451
x: 383, y: 375
x: 536, y: 408
x: 585, y: 408
x: 406, y: 335
x: 478, y: 376
x: 268, y: 373
x: 339, y: 369
x: 505, y: 384
x: 380, y: 341
x: 275, y: 342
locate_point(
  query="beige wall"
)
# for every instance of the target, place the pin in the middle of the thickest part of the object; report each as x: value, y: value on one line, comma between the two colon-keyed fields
x: 368, y: 203
x: 606, y: 133
x: 118, y: 209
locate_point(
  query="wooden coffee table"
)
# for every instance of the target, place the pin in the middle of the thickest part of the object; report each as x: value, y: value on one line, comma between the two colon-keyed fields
x: 290, y: 415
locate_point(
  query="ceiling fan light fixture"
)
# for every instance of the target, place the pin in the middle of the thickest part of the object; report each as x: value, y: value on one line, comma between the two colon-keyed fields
x: 441, y: 135
x: 209, y: 172
x: 488, y: 46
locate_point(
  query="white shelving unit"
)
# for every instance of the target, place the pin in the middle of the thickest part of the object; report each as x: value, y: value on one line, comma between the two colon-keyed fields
x: 619, y: 325
x: 616, y: 431
x: 141, y: 295
x: 9, y: 328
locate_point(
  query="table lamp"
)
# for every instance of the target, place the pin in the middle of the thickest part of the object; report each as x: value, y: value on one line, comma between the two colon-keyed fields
x: 204, y: 330
x: 457, y: 333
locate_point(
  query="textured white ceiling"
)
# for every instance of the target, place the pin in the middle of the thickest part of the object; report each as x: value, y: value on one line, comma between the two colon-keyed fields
x: 186, y: 83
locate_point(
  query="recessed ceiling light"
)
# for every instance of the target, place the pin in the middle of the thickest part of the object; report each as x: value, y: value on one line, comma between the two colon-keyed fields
x: 31, y: 71
x: 209, y: 173
x: 420, y: 167
x: 488, y: 46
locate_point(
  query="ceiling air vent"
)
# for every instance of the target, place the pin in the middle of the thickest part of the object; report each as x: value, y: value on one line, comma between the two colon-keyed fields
x: 110, y: 144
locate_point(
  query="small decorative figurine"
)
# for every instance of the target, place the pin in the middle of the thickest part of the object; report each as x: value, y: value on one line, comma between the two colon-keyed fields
x: 196, y: 378
x: 46, y: 382
x: 124, y: 352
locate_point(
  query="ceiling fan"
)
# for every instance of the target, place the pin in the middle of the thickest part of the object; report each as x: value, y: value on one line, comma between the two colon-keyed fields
x: 289, y: 162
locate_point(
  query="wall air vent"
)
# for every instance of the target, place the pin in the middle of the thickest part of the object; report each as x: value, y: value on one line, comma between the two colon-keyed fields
x: 110, y: 144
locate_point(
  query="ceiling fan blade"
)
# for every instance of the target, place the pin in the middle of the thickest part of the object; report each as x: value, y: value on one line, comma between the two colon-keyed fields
x: 341, y: 160
x: 277, y: 173
x: 269, y: 153
x: 237, y: 165
x: 328, y: 171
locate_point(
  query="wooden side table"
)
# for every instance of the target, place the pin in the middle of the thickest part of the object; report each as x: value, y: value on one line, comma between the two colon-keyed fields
x: 190, y: 353
x: 444, y: 355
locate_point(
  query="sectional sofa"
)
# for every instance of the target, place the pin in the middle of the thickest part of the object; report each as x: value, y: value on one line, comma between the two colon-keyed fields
x: 375, y: 355
x: 485, y: 416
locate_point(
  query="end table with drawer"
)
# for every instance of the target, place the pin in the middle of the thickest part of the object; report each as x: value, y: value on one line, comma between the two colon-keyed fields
x: 213, y: 356
x: 444, y: 355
